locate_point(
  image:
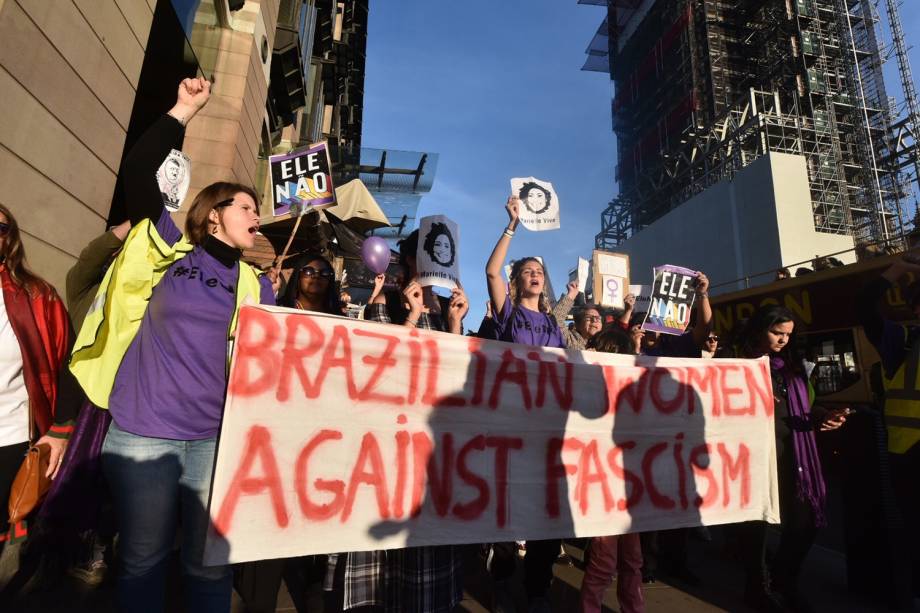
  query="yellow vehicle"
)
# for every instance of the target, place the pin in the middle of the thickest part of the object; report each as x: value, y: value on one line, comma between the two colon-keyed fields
x: 824, y: 302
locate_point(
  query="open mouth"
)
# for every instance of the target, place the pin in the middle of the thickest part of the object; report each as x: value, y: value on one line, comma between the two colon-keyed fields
x: 253, y: 229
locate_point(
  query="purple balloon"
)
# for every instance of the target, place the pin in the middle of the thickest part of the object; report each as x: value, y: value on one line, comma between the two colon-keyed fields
x: 376, y: 254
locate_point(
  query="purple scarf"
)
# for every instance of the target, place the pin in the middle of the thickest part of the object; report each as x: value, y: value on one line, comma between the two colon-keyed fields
x: 810, y: 479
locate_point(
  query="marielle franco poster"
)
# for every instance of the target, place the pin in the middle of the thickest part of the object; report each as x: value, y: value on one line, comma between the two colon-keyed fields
x: 437, y: 258
x: 539, y: 208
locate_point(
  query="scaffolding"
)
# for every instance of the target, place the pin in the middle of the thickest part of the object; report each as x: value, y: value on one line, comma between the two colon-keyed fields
x: 705, y: 87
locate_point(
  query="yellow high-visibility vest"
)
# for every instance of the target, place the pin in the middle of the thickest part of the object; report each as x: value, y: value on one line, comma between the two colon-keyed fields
x: 902, y: 403
x: 115, y: 315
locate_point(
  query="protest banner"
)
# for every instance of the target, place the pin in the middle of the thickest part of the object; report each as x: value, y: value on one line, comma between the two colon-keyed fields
x: 611, y: 278
x: 539, y: 208
x: 437, y: 257
x: 672, y: 295
x: 173, y: 178
x: 345, y: 435
x: 302, y: 181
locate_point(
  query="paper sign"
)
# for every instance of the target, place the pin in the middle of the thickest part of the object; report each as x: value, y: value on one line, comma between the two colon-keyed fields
x: 613, y: 291
x: 173, y: 178
x: 302, y: 181
x: 643, y: 297
x: 347, y: 435
x: 583, y: 266
x: 673, y: 292
x: 611, y: 278
x: 437, y: 258
x: 612, y: 264
x: 539, y: 208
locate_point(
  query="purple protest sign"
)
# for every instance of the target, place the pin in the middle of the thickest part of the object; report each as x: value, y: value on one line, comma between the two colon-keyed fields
x: 302, y: 181
x: 673, y: 293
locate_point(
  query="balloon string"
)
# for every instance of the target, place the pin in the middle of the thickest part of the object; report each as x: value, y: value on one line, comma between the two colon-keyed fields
x: 288, y: 246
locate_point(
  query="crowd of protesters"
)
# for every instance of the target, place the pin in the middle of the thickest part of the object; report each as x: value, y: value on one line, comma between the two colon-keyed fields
x: 139, y: 391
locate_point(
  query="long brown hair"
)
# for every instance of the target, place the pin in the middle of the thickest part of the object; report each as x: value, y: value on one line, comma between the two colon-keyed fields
x: 14, y: 256
x: 514, y: 285
x: 214, y: 195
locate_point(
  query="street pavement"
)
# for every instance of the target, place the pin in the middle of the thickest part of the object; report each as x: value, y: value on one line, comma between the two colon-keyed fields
x: 824, y: 578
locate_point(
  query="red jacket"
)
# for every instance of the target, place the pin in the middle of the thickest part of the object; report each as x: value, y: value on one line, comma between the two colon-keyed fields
x: 39, y: 321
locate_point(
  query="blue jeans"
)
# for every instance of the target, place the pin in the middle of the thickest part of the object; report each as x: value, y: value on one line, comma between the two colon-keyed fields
x: 154, y: 483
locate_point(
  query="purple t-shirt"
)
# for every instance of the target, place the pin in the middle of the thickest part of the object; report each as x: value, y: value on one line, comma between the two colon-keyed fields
x: 520, y: 325
x: 172, y: 380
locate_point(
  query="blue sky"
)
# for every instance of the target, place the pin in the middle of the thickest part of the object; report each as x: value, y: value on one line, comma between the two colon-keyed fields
x: 495, y: 88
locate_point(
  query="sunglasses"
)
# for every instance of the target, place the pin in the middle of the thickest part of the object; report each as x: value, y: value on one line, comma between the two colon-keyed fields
x: 713, y: 339
x: 4, y: 229
x: 309, y: 271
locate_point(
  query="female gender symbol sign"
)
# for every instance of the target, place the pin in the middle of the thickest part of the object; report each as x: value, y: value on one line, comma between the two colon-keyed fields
x: 612, y: 288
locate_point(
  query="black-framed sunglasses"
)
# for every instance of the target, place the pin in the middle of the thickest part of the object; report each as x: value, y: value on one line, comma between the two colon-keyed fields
x: 4, y: 228
x: 713, y: 339
x: 309, y: 271
x: 223, y: 203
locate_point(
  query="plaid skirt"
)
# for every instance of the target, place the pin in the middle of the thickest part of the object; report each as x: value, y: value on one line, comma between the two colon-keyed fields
x: 412, y: 580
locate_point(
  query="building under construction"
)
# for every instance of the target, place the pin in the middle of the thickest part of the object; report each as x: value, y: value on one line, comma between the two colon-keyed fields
x: 705, y: 87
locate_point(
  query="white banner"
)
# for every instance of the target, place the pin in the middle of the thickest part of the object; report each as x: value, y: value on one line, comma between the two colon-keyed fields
x: 344, y: 435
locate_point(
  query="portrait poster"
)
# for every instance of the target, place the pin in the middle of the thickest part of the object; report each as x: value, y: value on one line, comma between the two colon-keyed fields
x: 672, y: 296
x: 301, y: 181
x: 539, y: 208
x: 611, y: 278
x: 437, y: 258
x: 173, y: 177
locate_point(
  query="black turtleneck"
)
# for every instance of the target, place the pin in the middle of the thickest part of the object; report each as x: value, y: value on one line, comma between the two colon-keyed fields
x: 221, y: 251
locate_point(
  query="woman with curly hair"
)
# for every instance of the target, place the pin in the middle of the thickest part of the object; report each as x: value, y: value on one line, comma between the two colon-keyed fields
x: 520, y: 309
x: 520, y: 313
x: 535, y: 197
x: 439, y: 245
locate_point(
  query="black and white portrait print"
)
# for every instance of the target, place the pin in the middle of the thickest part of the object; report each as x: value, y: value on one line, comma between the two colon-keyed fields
x: 539, y: 208
x: 440, y: 246
x: 173, y: 177
x: 437, y: 258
